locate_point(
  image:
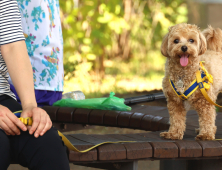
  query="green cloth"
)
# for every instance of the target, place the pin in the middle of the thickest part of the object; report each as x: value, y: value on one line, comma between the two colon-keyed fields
x: 110, y: 103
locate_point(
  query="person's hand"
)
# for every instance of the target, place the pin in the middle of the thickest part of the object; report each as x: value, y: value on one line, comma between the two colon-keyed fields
x: 41, y: 120
x: 9, y: 122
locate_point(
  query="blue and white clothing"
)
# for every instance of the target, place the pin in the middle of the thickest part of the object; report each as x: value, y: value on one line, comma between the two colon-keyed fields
x: 10, y: 31
x: 42, y: 29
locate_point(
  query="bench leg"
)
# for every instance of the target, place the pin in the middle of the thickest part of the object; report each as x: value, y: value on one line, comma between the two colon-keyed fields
x: 204, y: 164
x: 113, y: 166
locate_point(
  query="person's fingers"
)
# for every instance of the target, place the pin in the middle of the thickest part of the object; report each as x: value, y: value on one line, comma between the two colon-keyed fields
x: 29, y: 127
x: 47, y: 126
x: 6, y: 129
x: 11, y: 126
x: 42, y: 125
x: 36, y: 120
x: 17, y: 122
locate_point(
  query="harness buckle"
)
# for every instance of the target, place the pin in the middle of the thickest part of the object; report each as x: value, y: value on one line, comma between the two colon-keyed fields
x: 201, y: 85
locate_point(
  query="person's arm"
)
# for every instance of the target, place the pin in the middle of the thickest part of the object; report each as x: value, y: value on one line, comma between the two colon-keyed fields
x: 20, y: 71
x: 14, y: 53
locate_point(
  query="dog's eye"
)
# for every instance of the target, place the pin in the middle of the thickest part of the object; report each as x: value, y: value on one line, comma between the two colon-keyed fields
x: 191, y: 40
x: 176, y: 41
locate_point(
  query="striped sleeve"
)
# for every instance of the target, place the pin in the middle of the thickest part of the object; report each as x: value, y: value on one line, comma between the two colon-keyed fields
x: 10, y: 22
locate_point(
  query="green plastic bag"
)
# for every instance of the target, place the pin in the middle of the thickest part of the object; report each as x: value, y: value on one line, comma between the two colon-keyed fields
x: 110, y: 103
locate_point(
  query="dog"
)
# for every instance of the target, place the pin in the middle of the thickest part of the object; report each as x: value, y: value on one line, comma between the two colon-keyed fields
x: 185, y: 46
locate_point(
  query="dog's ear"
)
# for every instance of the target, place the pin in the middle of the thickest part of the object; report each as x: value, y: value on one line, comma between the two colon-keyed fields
x: 164, y: 45
x: 203, y: 44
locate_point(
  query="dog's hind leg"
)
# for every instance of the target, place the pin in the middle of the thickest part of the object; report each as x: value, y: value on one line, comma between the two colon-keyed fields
x: 177, y: 114
x: 207, y: 117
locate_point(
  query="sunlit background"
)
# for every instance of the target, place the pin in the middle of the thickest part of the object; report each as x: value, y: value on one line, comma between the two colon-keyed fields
x: 114, y: 45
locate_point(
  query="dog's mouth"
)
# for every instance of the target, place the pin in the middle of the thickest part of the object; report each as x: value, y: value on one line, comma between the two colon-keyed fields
x: 184, y: 59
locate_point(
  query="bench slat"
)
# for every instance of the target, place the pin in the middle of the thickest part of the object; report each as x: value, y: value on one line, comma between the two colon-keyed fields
x: 138, y: 150
x: 81, y: 157
x: 110, y: 118
x: 165, y: 150
x: 96, y: 116
x: 110, y: 152
x: 189, y: 149
x: 123, y: 119
x: 211, y: 148
x: 65, y: 114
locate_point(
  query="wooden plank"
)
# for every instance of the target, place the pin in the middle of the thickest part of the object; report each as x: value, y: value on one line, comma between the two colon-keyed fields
x: 87, y: 138
x: 81, y: 157
x: 110, y: 152
x: 165, y: 150
x: 153, y: 135
x: 154, y: 110
x: 76, y: 141
x: 211, y: 148
x: 105, y: 138
x: 155, y: 123
x: 96, y: 116
x: 141, y: 137
x: 81, y: 145
x: 189, y: 149
x: 137, y: 108
x: 163, y: 112
x: 81, y: 115
x: 110, y: 118
x: 121, y: 137
x: 164, y: 124
x: 146, y: 122
x: 52, y: 112
x: 65, y: 114
x: 123, y: 119
x: 135, y: 120
x: 136, y: 137
x: 138, y: 150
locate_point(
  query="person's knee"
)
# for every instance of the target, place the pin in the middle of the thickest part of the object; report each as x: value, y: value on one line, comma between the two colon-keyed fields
x: 52, y: 140
x: 51, y: 151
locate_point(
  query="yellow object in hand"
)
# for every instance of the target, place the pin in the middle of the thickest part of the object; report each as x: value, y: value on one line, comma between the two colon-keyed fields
x: 27, y: 121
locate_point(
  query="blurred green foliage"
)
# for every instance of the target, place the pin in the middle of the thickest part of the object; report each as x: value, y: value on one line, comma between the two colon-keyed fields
x: 106, y: 39
x: 88, y: 30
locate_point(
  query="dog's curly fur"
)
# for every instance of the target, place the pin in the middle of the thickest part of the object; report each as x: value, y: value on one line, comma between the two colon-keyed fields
x: 205, y: 46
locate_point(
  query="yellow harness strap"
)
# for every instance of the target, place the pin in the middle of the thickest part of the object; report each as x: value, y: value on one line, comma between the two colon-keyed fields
x: 28, y: 121
x: 202, y: 89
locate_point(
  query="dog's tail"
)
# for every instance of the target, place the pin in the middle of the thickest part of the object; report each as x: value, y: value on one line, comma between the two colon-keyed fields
x: 214, y: 38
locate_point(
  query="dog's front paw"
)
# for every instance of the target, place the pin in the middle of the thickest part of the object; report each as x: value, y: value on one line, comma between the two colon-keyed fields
x: 171, y: 135
x: 205, y: 137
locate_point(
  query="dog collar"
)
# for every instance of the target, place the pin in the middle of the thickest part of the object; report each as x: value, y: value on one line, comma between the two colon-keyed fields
x: 206, y: 80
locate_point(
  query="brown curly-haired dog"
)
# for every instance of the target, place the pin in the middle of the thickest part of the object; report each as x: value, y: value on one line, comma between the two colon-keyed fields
x: 185, y: 46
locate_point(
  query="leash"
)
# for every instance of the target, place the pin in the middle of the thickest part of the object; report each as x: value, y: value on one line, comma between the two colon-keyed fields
x: 28, y: 121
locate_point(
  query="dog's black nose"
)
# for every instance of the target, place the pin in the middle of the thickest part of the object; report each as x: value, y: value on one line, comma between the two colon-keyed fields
x: 184, y: 48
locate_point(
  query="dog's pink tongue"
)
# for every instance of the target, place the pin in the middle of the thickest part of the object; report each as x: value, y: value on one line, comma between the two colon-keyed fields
x: 184, y: 60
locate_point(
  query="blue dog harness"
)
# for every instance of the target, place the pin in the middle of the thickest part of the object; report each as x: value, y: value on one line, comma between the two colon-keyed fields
x: 206, y: 80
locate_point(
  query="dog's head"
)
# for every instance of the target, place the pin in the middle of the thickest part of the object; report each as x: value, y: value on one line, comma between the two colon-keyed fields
x: 183, y: 43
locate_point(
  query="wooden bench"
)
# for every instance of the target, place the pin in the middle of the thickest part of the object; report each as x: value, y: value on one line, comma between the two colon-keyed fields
x: 186, y: 154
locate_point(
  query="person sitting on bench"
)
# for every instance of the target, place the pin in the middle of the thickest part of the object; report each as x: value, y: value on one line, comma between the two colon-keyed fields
x: 36, y: 147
